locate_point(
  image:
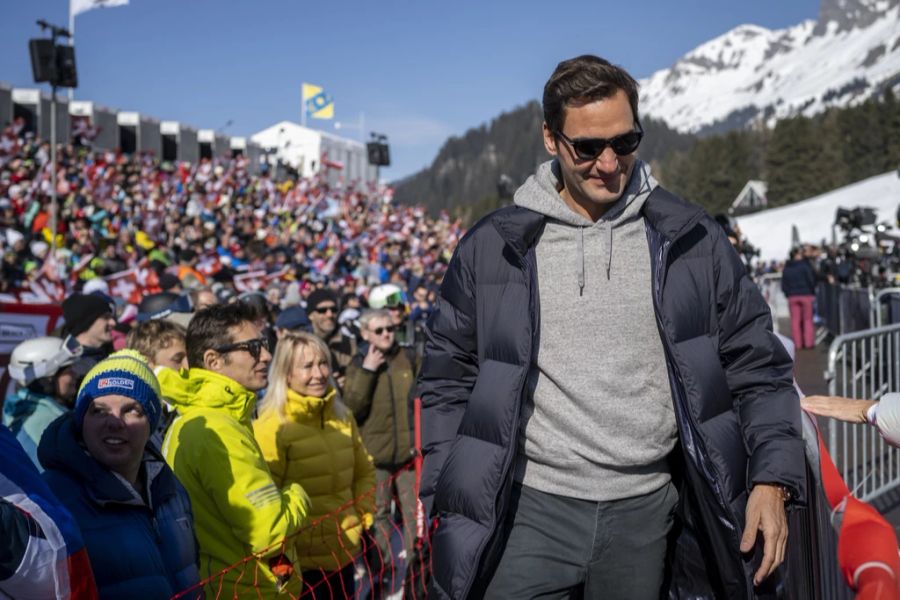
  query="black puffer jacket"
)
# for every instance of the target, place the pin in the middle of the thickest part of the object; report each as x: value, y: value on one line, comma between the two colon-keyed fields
x: 737, y: 412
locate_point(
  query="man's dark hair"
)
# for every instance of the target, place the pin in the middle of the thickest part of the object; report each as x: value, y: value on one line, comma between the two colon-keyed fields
x: 209, y: 329
x: 585, y: 78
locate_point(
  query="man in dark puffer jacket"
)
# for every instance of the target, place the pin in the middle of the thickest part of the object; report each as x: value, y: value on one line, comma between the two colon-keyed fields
x: 598, y: 362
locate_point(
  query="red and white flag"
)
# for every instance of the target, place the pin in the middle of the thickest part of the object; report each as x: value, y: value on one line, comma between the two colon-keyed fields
x: 251, y: 281
x: 133, y: 284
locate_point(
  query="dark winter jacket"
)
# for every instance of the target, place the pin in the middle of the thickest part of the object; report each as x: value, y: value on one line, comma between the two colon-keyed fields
x: 136, y: 550
x: 798, y: 278
x: 381, y: 401
x: 737, y: 412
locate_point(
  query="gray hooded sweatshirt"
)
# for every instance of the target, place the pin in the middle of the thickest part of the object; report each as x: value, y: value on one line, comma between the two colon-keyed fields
x: 600, y: 421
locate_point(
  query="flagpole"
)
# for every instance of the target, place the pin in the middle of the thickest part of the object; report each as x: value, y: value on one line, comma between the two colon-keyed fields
x: 71, y: 43
x: 302, y: 107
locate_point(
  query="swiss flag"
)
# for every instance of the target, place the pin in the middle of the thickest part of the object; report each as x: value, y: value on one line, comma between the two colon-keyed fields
x: 133, y: 284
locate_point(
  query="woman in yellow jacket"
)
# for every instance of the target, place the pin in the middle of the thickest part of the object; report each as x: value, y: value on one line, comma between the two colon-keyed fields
x: 309, y: 437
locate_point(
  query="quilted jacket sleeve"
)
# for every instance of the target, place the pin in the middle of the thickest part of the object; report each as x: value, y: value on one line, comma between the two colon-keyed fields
x: 449, y: 368
x: 760, y: 375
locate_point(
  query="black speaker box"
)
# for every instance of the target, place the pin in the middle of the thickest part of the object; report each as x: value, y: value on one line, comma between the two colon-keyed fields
x: 379, y: 154
x: 42, y: 66
x: 67, y: 75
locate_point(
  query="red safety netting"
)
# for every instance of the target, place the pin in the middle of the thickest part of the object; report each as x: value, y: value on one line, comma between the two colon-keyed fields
x: 335, y: 556
x: 867, y: 546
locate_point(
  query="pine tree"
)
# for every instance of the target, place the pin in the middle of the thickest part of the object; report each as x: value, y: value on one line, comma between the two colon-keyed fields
x: 864, y: 143
x: 792, y: 149
x: 890, y: 120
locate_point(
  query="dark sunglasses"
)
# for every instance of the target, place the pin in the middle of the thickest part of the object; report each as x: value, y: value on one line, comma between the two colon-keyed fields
x: 591, y: 148
x: 325, y: 309
x: 252, y: 347
x: 380, y: 330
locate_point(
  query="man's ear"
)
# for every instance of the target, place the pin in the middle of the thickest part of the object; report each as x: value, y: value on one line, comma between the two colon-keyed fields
x: 549, y: 140
x: 212, y: 360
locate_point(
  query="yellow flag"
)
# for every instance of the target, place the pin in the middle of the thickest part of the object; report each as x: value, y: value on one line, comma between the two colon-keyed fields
x: 317, y: 103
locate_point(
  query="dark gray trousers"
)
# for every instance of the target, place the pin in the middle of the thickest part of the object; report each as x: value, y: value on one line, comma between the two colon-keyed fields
x: 559, y: 547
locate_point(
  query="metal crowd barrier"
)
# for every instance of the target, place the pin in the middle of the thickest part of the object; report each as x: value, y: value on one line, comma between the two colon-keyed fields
x: 884, y: 303
x: 866, y: 365
x: 844, y: 309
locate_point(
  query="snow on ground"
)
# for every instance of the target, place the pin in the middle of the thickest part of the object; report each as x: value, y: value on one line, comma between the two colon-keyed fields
x: 770, y: 230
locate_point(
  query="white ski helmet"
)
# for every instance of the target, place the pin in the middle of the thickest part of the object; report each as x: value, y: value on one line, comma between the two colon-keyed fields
x: 42, y: 357
x: 387, y: 295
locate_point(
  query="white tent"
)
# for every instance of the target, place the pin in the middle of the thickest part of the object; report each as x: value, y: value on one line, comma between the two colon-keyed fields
x: 770, y: 230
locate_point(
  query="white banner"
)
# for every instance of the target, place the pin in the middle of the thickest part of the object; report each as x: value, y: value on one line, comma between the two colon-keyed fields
x: 77, y: 7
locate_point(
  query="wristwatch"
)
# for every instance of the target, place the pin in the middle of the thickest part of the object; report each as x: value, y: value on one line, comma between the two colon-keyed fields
x: 786, y: 494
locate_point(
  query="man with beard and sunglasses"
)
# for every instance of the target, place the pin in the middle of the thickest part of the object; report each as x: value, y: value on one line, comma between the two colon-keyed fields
x: 604, y: 400
x: 238, y: 509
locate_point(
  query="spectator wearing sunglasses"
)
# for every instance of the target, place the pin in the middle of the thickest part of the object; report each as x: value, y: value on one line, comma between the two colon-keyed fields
x: 239, y: 509
x: 379, y: 391
x: 322, y: 309
x: 578, y: 337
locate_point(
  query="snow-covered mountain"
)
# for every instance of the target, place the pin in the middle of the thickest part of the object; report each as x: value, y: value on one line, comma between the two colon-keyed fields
x: 751, y: 73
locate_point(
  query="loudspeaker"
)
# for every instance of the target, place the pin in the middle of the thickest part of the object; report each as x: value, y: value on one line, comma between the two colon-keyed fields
x: 379, y: 154
x: 66, y: 74
x: 42, y: 65
x: 55, y: 65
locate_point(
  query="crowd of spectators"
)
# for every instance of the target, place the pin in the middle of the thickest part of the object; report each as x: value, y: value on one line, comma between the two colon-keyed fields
x: 204, y: 224
x: 141, y: 410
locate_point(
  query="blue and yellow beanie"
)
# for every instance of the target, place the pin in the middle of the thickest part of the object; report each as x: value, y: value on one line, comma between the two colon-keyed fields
x: 125, y: 373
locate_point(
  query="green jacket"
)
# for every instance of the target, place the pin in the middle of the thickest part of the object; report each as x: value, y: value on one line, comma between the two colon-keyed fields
x: 238, y: 509
x: 381, y: 401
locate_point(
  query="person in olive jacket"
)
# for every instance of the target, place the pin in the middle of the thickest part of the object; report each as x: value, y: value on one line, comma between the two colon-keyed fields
x: 380, y: 383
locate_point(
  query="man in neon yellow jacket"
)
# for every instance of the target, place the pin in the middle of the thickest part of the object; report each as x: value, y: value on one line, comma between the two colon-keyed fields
x: 241, y: 517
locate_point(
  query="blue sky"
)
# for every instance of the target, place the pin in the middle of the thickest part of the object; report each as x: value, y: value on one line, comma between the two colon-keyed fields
x: 420, y: 71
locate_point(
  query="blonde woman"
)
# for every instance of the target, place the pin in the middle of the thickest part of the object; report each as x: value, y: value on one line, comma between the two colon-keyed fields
x: 309, y: 437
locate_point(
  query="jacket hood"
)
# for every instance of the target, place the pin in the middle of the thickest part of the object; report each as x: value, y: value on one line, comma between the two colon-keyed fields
x: 199, y: 388
x: 540, y: 193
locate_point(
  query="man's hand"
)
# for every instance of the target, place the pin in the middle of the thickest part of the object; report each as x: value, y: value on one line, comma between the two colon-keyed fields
x: 765, y: 512
x: 374, y: 359
x: 836, y: 407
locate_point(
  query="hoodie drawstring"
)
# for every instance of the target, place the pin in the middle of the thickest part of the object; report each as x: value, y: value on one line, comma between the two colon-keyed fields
x: 579, y: 258
x: 609, y: 252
